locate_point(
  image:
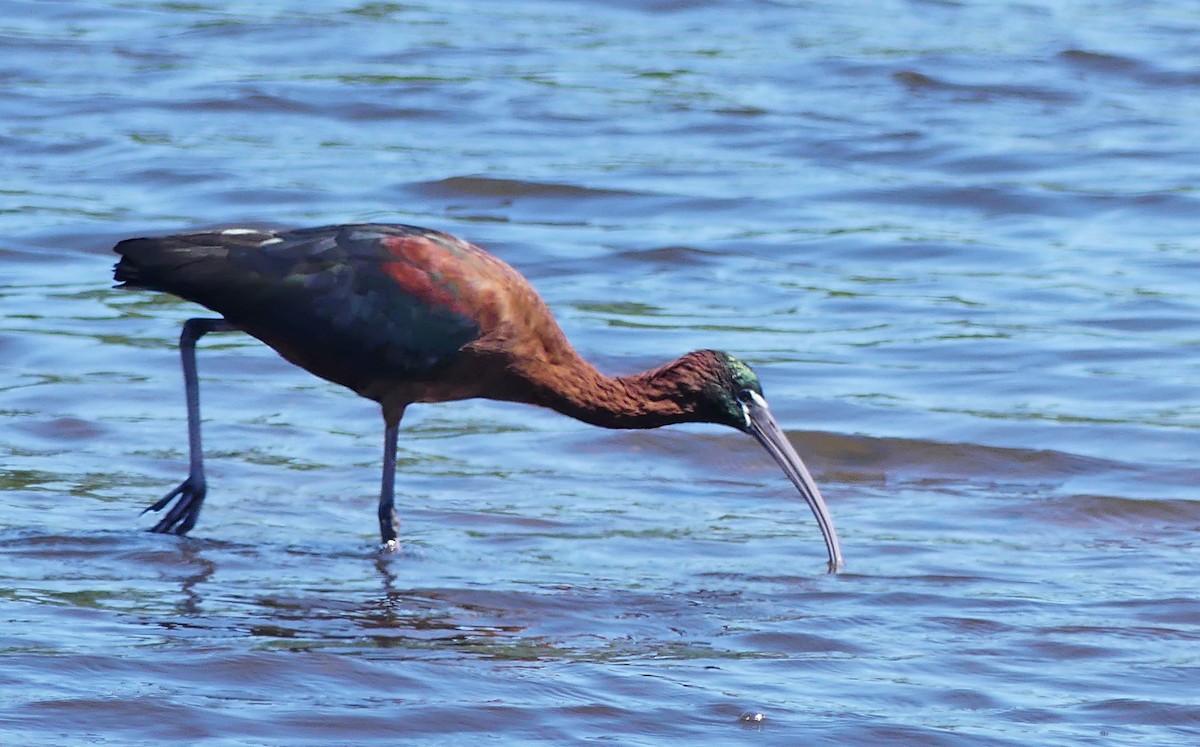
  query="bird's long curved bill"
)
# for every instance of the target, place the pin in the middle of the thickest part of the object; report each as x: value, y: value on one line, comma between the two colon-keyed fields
x: 764, y: 428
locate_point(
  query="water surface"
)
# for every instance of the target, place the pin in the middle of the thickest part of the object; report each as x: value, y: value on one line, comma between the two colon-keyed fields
x: 957, y: 241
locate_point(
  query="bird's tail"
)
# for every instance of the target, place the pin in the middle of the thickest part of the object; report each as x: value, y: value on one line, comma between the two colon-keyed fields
x: 128, y: 271
x: 154, y: 263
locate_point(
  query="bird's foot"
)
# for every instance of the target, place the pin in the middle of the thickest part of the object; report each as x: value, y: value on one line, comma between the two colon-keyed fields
x: 182, y: 516
x: 389, y: 527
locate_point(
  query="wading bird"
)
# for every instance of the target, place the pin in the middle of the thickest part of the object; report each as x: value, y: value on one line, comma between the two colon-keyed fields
x: 401, y: 314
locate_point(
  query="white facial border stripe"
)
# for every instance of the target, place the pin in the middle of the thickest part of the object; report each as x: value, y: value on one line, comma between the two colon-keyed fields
x: 755, y: 399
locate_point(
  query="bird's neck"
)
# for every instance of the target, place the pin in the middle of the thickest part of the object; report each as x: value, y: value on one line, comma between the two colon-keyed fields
x: 649, y: 399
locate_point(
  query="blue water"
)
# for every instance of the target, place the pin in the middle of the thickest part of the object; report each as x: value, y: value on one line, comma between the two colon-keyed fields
x: 957, y: 241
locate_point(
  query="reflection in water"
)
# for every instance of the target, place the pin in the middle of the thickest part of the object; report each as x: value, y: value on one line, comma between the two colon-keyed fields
x: 190, y: 599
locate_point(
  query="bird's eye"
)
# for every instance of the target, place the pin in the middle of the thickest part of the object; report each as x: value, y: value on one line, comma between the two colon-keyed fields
x: 746, y: 395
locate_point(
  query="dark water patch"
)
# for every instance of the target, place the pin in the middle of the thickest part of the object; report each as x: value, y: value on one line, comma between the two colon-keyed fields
x: 670, y: 258
x: 1137, y: 712
x: 1134, y: 69
x: 982, y: 92
x: 1102, y: 62
x: 1011, y: 199
x: 49, y: 144
x: 793, y: 643
x: 1182, y: 515
x: 60, y: 429
x: 173, y: 178
x: 244, y: 100
x: 1142, y: 324
x: 913, y: 458
x: 247, y: 196
x: 383, y: 112
x: 1178, y: 614
x: 551, y: 205
x: 477, y: 186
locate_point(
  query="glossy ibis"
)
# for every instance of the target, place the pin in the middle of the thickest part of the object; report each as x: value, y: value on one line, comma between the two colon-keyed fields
x: 402, y: 314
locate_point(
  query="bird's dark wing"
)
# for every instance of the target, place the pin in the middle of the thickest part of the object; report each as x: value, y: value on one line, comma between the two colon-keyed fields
x: 348, y: 303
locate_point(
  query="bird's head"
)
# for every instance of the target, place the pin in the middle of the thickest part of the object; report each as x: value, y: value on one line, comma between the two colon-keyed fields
x: 727, y: 391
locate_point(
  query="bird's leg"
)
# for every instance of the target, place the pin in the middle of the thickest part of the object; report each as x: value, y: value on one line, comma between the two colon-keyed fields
x: 389, y: 522
x: 190, y: 493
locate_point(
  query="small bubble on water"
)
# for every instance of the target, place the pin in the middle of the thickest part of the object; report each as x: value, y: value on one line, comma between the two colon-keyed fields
x: 752, y: 717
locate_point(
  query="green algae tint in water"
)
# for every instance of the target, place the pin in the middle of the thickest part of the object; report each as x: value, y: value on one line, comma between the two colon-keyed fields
x: 954, y: 242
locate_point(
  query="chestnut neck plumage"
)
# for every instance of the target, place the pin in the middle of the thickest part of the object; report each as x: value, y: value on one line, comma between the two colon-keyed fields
x: 662, y: 396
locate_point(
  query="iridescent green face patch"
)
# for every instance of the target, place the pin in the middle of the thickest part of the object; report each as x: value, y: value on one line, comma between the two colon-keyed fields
x: 731, y: 386
x: 743, y: 376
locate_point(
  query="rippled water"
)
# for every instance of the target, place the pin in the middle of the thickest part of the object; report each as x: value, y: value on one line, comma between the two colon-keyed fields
x: 956, y: 239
